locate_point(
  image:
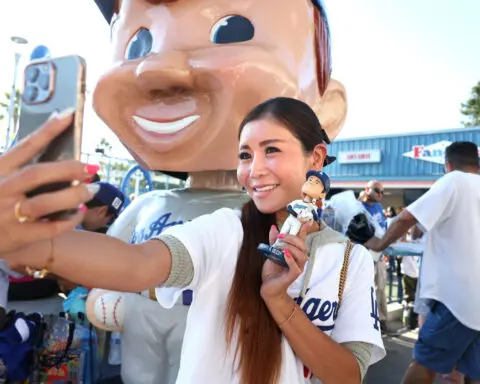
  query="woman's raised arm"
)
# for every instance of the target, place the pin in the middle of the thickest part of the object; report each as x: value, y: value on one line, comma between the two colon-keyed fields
x: 97, y: 260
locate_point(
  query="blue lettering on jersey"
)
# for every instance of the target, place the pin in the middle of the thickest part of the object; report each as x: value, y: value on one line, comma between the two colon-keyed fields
x: 321, y: 310
x: 141, y: 235
x: 376, y: 211
x: 374, y: 313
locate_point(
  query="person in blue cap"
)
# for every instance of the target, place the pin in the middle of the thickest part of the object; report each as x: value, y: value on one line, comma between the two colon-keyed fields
x: 101, y: 211
x: 104, y: 208
x: 314, y: 191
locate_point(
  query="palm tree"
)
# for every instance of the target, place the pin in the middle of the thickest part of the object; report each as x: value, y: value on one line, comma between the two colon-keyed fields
x: 103, y: 146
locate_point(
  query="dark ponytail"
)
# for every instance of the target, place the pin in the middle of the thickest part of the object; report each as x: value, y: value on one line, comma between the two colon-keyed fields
x: 258, y: 350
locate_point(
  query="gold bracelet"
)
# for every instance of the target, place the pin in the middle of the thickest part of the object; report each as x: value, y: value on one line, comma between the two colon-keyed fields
x: 290, y: 317
x: 41, y: 273
x: 152, y: 295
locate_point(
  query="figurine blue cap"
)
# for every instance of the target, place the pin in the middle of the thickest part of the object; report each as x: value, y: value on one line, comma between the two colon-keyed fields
x: 323, y: 177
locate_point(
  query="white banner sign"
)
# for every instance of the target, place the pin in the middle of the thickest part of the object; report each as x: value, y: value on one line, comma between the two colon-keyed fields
x: 360, y: 157
x: 433, y: 153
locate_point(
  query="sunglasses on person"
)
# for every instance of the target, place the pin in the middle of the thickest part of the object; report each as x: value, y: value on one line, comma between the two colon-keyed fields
x: 378, y: 191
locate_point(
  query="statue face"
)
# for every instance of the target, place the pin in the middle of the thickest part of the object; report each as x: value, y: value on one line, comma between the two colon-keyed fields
x: 185, y: 73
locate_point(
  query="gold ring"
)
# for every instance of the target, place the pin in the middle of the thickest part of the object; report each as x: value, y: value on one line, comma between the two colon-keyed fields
x: 18, y: 214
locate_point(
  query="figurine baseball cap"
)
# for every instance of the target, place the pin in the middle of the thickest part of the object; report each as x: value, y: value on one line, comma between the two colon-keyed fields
x: 110, y: 196
x: 323, y: 177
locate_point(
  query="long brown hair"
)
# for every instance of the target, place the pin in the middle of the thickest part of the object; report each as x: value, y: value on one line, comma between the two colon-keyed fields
x: 258, y: 351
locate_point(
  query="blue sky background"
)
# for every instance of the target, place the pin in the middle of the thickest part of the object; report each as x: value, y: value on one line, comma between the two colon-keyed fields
x: 407, y: 64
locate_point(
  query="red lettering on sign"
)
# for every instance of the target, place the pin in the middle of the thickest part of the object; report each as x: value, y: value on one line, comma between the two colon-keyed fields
x: 417, y: 151
x: 359, y: 156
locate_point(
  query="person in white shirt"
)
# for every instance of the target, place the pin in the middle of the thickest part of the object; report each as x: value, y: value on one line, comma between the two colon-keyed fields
x: 251, y: 320
x: 449, y: 213
x: 411, y: 266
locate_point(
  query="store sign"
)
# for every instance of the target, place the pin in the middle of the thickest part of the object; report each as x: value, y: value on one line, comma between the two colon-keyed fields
x: 359, y: 157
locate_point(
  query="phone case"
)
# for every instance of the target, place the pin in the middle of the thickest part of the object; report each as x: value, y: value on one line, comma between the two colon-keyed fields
x: 67, y: 90
x: 53, y: 85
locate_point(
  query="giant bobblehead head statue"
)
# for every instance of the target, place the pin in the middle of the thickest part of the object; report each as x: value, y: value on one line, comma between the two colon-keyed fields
x: 186, y: 72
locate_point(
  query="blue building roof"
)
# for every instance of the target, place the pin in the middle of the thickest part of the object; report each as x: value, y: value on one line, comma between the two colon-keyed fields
x: 413, y: 160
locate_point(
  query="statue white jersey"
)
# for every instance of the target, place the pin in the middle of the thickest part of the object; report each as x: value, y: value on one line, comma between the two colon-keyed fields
x: 151, y: 335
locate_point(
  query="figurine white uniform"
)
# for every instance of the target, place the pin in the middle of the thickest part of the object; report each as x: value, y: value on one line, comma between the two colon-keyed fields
x: 304, y: 213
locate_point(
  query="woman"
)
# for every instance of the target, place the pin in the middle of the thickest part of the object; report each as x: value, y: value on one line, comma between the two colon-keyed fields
x: 251, y: 320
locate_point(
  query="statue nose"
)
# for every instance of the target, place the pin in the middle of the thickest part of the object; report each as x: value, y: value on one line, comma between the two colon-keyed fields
x: 166, y: 72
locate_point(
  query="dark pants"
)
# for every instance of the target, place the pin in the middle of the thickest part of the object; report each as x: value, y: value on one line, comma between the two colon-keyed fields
x: 410, y: 287
x: 394, y: 265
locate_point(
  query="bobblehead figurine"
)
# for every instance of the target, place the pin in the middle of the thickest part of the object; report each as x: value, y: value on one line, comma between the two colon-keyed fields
x: 184, y: 74
x: 314, y: 191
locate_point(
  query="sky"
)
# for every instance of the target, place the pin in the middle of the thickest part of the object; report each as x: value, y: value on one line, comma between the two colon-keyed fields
x: 407, y: 65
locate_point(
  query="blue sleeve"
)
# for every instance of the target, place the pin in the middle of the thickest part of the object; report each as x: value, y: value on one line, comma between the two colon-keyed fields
x: 383, y: 220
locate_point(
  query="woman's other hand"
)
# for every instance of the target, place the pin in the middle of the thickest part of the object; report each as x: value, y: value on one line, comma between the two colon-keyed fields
x: 275, y: 278
x: 20, y: 217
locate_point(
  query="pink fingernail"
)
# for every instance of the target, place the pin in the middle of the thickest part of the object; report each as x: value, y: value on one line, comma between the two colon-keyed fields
x: 83, y: 208
x: 280, y: 236
x: 287, y: 253
x: 92, y: 169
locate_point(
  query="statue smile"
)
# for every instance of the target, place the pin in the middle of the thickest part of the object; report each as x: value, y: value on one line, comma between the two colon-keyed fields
x: 165, y: 127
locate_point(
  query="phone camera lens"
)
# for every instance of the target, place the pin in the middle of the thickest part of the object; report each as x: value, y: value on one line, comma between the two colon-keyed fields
x: 32, y: 74
x: 30, y: 93
x: 44, y: 81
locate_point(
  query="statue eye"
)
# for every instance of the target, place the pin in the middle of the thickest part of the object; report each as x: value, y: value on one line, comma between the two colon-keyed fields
x: 140, y: 44
x: 232, y: 29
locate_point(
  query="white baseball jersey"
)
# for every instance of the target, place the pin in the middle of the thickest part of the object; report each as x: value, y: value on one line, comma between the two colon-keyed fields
x: 213, y: 242
x: 152, y: 336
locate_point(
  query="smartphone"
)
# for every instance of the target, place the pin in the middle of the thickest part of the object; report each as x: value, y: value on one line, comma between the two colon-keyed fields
x: 53, y: 85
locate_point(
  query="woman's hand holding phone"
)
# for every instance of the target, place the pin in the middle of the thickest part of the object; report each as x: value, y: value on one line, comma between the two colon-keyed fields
x: 22, y: 219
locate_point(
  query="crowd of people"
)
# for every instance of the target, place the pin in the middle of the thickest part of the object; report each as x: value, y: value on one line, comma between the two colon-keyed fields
x: 392, y: 272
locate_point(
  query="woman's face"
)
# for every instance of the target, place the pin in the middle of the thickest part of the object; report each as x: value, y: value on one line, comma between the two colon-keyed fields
x: 272, y: 164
